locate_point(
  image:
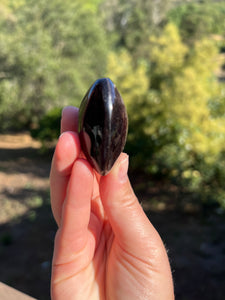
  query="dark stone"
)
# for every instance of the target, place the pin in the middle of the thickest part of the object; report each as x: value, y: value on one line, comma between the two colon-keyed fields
x: 102, y: 125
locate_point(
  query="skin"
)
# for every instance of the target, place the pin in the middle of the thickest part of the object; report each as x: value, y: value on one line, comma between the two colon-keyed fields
x: 105, y: 246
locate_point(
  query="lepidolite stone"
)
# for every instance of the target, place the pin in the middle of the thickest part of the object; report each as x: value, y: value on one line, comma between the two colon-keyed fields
x: 102, y: 125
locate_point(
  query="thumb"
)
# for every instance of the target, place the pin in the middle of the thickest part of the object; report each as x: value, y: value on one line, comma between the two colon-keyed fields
x: 130, y: 225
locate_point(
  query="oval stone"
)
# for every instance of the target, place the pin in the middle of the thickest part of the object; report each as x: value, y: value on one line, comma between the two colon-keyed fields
x: 103, y: 125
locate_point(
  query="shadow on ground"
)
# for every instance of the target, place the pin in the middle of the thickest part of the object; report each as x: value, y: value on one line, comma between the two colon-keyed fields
x: 196, y: 248
x: 26, y: 247
x: 25, y: 160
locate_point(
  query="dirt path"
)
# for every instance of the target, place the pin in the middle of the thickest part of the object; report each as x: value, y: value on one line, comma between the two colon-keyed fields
x: 21, y: 171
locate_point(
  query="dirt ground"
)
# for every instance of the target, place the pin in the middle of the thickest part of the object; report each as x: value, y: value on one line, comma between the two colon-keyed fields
x: 195, y: 241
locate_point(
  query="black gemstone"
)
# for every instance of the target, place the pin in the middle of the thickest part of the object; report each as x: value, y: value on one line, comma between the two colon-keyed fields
x: 102, y: 125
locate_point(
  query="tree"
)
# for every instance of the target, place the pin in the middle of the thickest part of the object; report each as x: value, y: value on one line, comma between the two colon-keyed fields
x: 131, y: 22
x: 197, y: 20
x: 50, y: 54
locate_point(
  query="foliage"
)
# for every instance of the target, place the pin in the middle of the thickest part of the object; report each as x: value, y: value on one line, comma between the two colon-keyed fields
x: 175, y: 131
x: 50, y: 53
x: 132, y: 81
x: 129, y: 23
x: 48, y: 128
x: 198, y: 20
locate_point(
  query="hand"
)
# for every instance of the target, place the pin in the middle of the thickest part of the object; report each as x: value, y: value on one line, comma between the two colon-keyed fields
x: 105, y: 246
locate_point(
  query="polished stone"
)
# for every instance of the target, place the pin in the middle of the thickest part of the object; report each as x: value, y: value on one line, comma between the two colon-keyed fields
x: 102, y: 125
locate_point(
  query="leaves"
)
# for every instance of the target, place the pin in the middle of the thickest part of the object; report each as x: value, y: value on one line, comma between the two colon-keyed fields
x: 50, y: 54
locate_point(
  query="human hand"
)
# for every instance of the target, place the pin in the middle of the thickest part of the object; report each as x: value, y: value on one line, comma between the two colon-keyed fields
x: 105, y: 246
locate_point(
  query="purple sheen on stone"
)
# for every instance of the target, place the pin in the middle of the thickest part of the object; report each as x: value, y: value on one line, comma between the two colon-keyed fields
x: 103, y: 125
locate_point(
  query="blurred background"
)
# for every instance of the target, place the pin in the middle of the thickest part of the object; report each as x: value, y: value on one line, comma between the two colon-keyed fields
x: 167, y: 59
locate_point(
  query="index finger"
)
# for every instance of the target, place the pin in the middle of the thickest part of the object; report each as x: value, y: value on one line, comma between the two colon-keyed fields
x: 66, y: 152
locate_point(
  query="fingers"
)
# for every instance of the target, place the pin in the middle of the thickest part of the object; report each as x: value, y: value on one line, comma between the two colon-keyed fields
x: 74, y: 245
x: 126, y: 216
x: 77, y: 205
x: 66, y: 152
x: 69, y: 121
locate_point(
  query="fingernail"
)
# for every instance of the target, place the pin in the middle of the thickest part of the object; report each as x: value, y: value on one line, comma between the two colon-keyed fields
x: 123, y: 168
x: 66, y: 132
x: 61, y: 135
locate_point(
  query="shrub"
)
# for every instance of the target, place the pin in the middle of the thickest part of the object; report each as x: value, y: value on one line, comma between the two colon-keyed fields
x: 48, y: 128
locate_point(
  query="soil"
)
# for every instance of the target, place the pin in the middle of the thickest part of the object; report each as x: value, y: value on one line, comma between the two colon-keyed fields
x: 194, y: 240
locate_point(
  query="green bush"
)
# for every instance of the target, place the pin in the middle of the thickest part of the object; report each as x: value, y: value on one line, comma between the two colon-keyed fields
x: 176, y: 124
x: 48, y: 128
